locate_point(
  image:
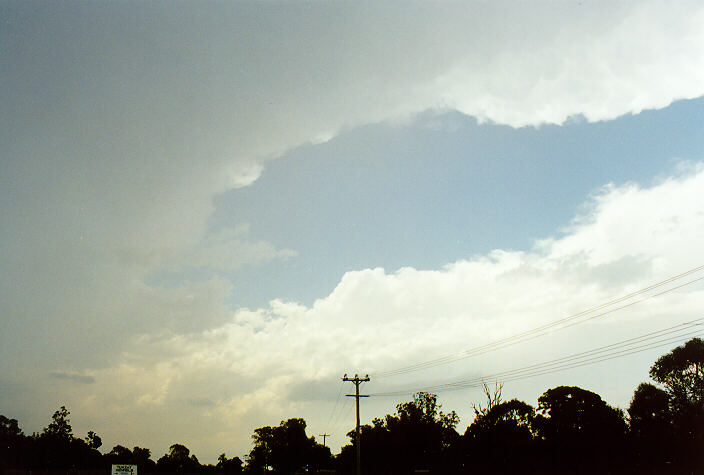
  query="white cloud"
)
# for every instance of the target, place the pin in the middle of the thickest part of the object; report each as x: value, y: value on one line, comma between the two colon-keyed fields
x: 626, y: 67
x: 114, y: 150
x: 664, y: 227
x: 271, y: 363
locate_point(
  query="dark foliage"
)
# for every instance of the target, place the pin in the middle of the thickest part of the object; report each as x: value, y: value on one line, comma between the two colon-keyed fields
x: 178, y: 460
x: 14, y: 445
x: 571, y: 431
x: 225, y: 465
x: 651, y: 428
x: 137, y: 456
x: 681, y: 372
x: 503, y: 436
x: 286, y: 449
x: 574, y: 425
x: 418, y: 437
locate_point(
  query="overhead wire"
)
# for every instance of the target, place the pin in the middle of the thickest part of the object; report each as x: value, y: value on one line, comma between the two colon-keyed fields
x: 458, y: 386
x: 566, y: 322
x: 334, y: 408
x: 345, y: 410
x: 604, y: 353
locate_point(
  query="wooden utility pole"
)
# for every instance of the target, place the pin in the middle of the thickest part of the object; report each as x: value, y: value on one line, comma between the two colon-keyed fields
x: 358, y: 440
x: 323, y: 436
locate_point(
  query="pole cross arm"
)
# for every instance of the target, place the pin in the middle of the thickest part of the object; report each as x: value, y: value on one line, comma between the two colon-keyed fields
x: 357, y: 381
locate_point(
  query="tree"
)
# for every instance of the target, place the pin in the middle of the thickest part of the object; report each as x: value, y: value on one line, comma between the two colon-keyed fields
x: 9, y: 428
x: 649, y: 413
x: 286, y: 449
x: 681, y: 372
x: 417, y: 436
x: 142, y: 458
x: 14, y: 446
x: 119, y: 455
x: 508, y: 422
x: 493, y: 397
x: 568, y: 413
x: 60, y: 426
x: 138, y: 456
x: 376, y: 457
x: 502, y: 435
x: 576, y: 424
x: 179, y: 459
x: 93, y: 440
x: 53, y: 448
x: 225, y: 465
x: 421, y: 422
x: 651, y: 429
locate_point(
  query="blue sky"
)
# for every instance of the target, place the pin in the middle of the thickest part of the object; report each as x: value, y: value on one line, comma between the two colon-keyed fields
x: 210, y: 212
x: 437, y: 189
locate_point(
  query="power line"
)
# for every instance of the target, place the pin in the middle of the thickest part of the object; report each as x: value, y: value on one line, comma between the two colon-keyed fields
x: 490, y: 379
x: 556, y: 325
x: 334, y: 408
x: 345, y: 410
x: 535, y: 332
x: 615, y: 350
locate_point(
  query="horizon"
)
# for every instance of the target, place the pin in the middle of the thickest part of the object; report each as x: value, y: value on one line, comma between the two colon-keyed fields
x: 212, y: 212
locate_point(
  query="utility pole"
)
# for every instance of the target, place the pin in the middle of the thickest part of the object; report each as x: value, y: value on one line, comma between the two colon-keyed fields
x: 358, y: 441
x: 323, y: 436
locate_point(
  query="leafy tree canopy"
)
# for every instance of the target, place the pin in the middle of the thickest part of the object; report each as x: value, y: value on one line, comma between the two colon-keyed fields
x: 60, y: 426
x: 681, y: 371
x: 508, y: 421
x: 9, y: 427
x: 179, y: 459
x: 233, y: 465
x: 93, y: 440
x: 423, y: 409
x: 649, y: 411
x: 286, y: 448
x: 571, y: 414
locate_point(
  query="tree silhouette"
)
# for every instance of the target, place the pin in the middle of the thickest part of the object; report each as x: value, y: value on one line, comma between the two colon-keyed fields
x: 509, y: 422
x: 418, y: 436
x: 179, y: 459
x: 651, y: 427
x: 142, y: 458
x: 53, y: 447
x: 576, y: 424
x: 119, y: 455
x: 57, y: 448
x: 500, y: 438
x: 14, y: 445
x: 60, y: 426
x: 286, y: 449
x: 225, y: 465
x: 681, y: 372
x: 93, y: 440
x: 493, y: 397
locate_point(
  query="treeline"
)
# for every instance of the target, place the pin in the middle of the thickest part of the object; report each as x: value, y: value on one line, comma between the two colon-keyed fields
x: 571, y: 430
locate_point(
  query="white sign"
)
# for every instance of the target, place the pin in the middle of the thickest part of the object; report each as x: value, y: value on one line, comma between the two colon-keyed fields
x: 124, y: 470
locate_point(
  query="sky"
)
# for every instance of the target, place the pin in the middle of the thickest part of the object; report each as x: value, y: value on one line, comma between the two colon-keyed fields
x: 212, y: 211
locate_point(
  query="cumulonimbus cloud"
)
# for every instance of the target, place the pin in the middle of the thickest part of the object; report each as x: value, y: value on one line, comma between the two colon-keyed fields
x: 114, y: 150
x: 265, y: 362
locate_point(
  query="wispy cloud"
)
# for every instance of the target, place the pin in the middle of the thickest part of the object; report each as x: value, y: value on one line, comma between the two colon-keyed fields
x: 74, y: 377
